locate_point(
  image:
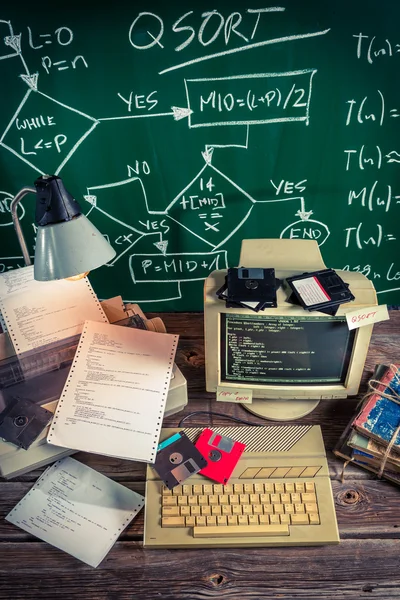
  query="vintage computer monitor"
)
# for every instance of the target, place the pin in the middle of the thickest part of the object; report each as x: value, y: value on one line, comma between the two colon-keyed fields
x: 289, y: 357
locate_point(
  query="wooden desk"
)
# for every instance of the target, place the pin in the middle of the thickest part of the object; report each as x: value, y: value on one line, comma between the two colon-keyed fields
x: 365, y: 563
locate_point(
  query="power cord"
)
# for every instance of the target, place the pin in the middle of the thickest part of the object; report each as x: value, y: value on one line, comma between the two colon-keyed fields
x: 210, y: 412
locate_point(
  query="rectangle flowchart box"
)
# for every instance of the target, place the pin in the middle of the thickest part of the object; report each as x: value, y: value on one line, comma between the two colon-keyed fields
x: 250, y: 99
x: 188, y: 266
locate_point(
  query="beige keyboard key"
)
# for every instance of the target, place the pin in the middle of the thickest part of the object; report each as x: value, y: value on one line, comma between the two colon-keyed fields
x: 202, y: 499
x: 165, y: 491
x: 299, y: 519
x: 296, y: 498
x: 213, y: 499
x: 269, y: 488
x: 274, y: 519
x: 224, y: 499
x: 294, y: 472
x: 190, y: 521
x: 280, y: 487
x: 192, y: 500
x: 228, y: 488
x: 205, y: 511
x: 233, y: 499
x: 238, y: 488
x: 268, y: 509
x: 299, y: 509
x: 275, y: 498
x: 169, y: 501
x: 244, y: 498
x: 247, y: 509
x: 232, y: 520
x: 177, y: 491
x: 289, y: 487
x: 201, y: 521
x: 278, y: 509
x: 310, y: 471
x: 289, y: 508
x: 237, y: 509
x: 284, y: 519
x: 314, y: 519
x: 195, y: 510
x: 171, y: 511
x: 265, y: 498
x: 218, y: 488
x: 216, y: 510
x: 263, y: 519
x: 243, y: 520
x: 253, y: 520
x: 254, y: 498
x: 285, y: 498
x: 187, y: 490
x: 310, y: 486
x: 211, y: 521
x: 299, y: 486
x: 182, y: 500
x: 308, y: 497
x: 197, y: 489
x: 250, y: 531
x: 221, y: 520
x: 226, y: 509
x: 185, y: 511
x: 248, y: 488
x: 257, y: 509
x: 259, y: 488
x: 173, y: 522
x: 207, y: 488
x: 265, y: 472
x: 311, y: 507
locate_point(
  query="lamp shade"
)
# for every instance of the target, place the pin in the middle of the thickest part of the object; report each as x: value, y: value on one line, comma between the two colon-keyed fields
x: 69, y: 248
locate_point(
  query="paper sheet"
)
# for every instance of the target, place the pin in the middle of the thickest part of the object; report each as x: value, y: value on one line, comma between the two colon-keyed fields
x: 41, y: 312
x: 114, y: 398
x: 76, y: 509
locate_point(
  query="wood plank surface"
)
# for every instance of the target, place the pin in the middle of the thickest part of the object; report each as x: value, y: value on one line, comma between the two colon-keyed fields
x: 366, y: 563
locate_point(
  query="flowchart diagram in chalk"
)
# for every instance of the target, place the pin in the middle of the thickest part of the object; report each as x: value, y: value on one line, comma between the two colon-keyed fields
x: 44, y: 133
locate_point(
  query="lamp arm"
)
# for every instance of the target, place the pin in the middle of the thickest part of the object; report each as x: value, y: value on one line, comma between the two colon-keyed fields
x: 17, y: 226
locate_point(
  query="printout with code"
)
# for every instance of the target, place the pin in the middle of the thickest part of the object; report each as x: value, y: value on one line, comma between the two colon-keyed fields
x: 38, y: 313
x: 76, y: 509
x: 114, y: 398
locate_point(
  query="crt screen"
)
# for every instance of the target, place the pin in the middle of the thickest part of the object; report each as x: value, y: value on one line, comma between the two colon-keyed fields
x: 287, y: 350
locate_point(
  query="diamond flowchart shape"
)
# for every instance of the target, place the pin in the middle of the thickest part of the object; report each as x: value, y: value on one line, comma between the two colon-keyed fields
x: 45, y: 133
x: 212, y: 206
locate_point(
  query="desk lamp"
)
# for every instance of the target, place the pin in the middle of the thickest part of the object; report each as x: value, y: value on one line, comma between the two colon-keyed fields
x: 68, y: 246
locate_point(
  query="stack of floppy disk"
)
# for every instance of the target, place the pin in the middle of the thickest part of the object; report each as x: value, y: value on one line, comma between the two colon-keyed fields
x: 252, y: 288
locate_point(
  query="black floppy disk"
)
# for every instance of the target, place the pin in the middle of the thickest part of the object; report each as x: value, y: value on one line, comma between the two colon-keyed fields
x: 321, y: 290
x: 253, y: 288
x: 23, y: 421
x: 177, y: 459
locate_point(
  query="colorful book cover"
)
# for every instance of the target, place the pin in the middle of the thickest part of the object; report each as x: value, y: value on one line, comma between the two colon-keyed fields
x: 380, y: 417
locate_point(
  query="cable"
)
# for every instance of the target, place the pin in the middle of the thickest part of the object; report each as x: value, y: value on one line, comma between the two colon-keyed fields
x: 210, y: 412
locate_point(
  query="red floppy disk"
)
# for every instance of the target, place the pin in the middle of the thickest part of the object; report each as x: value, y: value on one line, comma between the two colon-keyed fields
x: 222, y: 454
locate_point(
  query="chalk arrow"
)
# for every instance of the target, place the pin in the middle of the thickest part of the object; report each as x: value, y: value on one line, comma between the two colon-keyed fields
x: 180, y: 113
x: 31, y: 80
x: 304, y: 215
x: 91, y: 199
x: 14, y: 41
x: 207, y: 154
x: 162, y: 246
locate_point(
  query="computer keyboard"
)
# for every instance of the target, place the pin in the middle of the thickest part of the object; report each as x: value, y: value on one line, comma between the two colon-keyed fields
x: 279, y: 494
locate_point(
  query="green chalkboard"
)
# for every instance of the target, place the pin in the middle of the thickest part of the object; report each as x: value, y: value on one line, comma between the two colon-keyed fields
x: 183, y: 128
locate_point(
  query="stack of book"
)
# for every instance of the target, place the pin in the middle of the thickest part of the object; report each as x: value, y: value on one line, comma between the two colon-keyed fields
x: 372, y: 438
